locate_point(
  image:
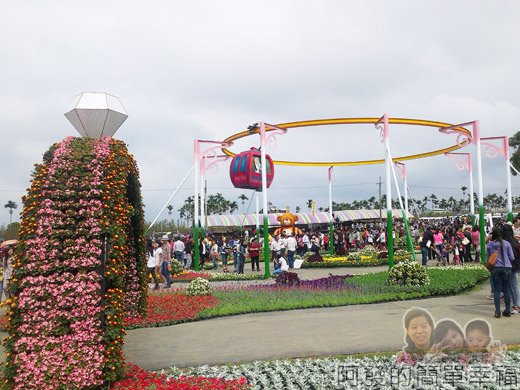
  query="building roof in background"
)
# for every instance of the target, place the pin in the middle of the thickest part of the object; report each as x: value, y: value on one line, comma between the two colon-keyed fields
x: 303, y: 218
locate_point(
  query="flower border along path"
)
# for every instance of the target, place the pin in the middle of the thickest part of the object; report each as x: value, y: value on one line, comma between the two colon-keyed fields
x: 319, y: 331
x: 365, y: 372
x: 366, y: 288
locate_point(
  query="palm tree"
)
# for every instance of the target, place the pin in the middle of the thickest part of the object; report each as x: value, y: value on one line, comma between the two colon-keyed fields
x: 463, y: 189
x: 433, y: 199
x: 297, y: 210
x: 232, y: 206
x: 11, y: 206
x: 243, y: 198
x: 309, y: 204
x: 170, y: 209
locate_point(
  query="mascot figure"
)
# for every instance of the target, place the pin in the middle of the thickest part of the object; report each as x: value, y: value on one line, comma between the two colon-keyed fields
x: 288, y: 222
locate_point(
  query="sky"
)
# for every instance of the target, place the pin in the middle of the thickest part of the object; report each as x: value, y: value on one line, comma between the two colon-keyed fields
x: 187, y: 70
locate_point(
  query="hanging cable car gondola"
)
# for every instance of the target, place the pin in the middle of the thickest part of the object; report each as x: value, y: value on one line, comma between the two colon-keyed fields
x: 246, y: 170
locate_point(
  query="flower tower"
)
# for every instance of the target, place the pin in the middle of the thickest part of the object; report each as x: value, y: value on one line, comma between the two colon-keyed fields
x: 81, y: 258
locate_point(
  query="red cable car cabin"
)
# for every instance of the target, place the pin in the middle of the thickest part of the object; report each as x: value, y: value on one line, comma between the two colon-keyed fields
x: 246, y: 170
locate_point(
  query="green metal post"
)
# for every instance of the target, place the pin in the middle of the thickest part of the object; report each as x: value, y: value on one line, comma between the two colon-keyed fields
x: 331, y: 239
x: 481, y: 225
x: 196, y: 247
x: 267, y: 273
x: 409, y: 243
x: 476, y: 136
x: 390, y: 239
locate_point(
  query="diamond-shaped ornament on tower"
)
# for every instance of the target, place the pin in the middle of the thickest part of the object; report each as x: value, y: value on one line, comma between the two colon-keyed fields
x: 96, y: 114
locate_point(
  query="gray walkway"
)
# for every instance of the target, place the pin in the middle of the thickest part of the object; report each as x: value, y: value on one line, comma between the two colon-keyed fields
x: 302, y: 333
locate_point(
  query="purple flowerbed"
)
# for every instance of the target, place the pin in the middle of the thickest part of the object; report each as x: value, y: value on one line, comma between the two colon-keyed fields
x: 331, y: 282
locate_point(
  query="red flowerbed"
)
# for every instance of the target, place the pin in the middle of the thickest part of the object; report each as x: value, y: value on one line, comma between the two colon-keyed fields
x: 139, y: 379
x: 163, y: 307
x: 168, y: 307
x: 192, y: 275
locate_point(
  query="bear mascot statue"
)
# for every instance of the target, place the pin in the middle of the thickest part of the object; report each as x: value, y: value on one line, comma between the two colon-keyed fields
x: 288, y: 222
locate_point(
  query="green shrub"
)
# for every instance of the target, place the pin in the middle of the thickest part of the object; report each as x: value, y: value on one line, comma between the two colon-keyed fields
x: 176, y: 267
x: 401, y: 253
x: 288, y: 279
x: 400, y: 243
x: 369, y: 250
x: 199, y: 286
x: 408, y: 273
x: 354, y: 256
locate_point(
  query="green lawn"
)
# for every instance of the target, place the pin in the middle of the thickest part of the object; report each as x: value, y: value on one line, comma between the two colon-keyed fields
x: 368, y: 288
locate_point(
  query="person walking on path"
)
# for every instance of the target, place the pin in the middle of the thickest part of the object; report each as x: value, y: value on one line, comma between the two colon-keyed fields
x: 437, y: 240
x: 241, y: 256
x: 224, y: 253
x: 291, y: 250
x: 8, y: 272
x: 508, y: 235
x: 152, y: 263
x: 254, y: 253
x: 165, y: 260
x: 178, y: 251
x: 475, y: 240
x: 213, y: 254
x: 501, y: 272
x: 426, y: 243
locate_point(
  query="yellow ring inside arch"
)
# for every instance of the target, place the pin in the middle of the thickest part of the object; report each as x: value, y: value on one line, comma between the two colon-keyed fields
x: 350, y: 121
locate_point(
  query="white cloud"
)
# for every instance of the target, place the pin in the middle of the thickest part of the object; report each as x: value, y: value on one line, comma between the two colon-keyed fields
x: 205, y: 70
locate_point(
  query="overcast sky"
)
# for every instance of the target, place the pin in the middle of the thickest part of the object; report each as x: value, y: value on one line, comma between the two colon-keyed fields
x: 188, y: 70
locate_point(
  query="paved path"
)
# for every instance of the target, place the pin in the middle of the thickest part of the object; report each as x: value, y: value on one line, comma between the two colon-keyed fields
x: 301, y: 333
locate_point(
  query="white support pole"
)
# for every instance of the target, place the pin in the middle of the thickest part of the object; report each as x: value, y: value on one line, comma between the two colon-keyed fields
x: 405, y: 189
x: 331, y: 223
x: 171, y: 197
x: 196, y: 207
x: 404, y: 211
x: 389, y: 214
x: 330, y: 192
x: 508, y: 175
x: 202, y: 195
x: 263, y: 146
x: 476, y: 136
x: 471, y: 190
x: 257, y: 214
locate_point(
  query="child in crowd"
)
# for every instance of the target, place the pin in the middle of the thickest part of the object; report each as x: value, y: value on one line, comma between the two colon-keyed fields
x: 456, y: 253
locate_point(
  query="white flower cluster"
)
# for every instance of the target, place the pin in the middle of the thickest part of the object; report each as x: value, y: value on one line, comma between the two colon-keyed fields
x: 216, y: 276
x: 401, y: 253
x: 408, y: 273
x: 462, y: 267
x: 369, y: 250
x: 199, y: 286
x: 367, y: 373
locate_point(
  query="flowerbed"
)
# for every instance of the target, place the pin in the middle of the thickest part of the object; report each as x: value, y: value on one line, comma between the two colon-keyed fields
x: 190, y: 275
x: 285, y: 283
x: 368, y: 372
x: 366, y: 288
x: 138, y: 379
x: 167, y: 308
x: 215, y: 276
x: 334, y: 262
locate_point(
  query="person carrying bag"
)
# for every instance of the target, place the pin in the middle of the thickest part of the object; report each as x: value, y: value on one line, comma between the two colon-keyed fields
x: 500, y: 257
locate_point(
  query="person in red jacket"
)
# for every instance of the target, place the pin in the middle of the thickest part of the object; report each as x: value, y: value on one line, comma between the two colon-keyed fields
x: 254, y: 253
